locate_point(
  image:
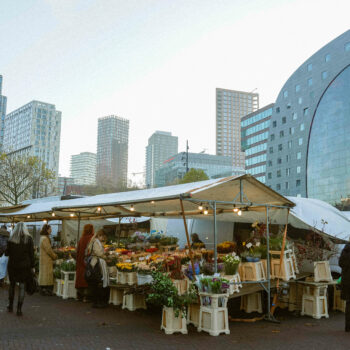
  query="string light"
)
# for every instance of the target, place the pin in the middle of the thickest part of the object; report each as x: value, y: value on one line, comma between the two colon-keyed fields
x: 53, y: 214
x: 99, y: 209
x: 206, y: 211
x: 45, y: 221
x: 200, y: 207
x: 239, y: 212
x: 28, y: 216
x: 132, y: 208
x: 235, y: 210
x: 152, y: 202
x: 71, y: 215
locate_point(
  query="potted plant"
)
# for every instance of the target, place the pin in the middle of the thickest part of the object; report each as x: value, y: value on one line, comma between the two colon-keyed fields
x: 231, y: 263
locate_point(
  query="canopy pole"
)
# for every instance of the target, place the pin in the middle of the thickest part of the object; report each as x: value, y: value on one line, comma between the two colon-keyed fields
x: 78, y: 227
x: 268, y: 264
x: 119, y: 233
x: 188, y: 238
x: 215, y: 240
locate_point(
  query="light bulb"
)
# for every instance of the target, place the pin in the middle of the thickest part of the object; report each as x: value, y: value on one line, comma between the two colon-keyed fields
x: 99, y: 209
x: 132, y: 208
x: 152, y: 202
x: 206, y: 211
x: 71, y: 215
x: 53, y: 214
x: 235, y: 210
x: 200, y: 207
x: 239, y: 212
x: 28, y: 216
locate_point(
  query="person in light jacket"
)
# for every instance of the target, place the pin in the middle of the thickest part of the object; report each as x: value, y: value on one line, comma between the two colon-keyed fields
x: 4, y: 236
x: 20, y: 250
x: 47, y: 257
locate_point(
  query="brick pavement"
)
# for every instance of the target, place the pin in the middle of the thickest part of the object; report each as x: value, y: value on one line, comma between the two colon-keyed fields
x: 52, y: 323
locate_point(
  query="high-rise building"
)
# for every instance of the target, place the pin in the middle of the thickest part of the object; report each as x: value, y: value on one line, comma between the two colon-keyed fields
x: 308, y: 148
x: 231, y: 106
x: 35, y: 129
x: 254, y: 138
x: 112, y: 151
x: 161, y: 146
x: 174, y: 168
x: 83, y: 168
x: 3, y: 103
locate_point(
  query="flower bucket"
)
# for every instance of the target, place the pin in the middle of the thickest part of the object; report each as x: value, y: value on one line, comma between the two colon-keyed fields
x: 231, y: 269
x: 252, y: 259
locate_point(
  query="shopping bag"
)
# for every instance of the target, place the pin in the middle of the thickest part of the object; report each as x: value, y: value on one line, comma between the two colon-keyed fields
x: 3, y: 266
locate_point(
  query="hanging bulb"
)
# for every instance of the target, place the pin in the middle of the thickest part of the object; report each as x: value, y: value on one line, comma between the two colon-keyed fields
x: 53, y: 214
x: 132, y: 208
x: 206, y: 211
x: 71, y: 215
x: 200, y: 207
x: 28, y: 216
x: 239, y: 212
x: 152, y: 202
x: 235, y: 210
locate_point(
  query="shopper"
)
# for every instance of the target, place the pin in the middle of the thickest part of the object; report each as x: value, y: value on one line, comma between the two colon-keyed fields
x: 196, y: 242
x: 20, y: 251
x: 99, y: 288
x: 80, y: 282
x: 344, y: 263
x: 4, y: 236
x: 47, y: 257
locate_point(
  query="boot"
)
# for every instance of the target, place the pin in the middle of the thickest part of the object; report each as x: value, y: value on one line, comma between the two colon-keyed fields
x: 19, y: 309
x: 10, y: 305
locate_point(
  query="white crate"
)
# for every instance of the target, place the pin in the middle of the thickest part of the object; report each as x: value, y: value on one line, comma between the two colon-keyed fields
x: 133, y: 302
x: 131, y: 278
x: 172, y: 324
x: 287, y: 272
x: 338, y: 303
x: 252, y: 271
x: 193, y: 314
x: 182, y: 286
x: 314, y: 302
x: 235, y: 280
x: 115, y: 296
x: 144, y: 279
x: 59, y: 287
x: 251, y: 303
x: 322, y: 271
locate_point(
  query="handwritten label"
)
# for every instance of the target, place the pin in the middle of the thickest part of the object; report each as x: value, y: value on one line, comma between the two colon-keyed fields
x: 128, y: 261
x: 141, y: 259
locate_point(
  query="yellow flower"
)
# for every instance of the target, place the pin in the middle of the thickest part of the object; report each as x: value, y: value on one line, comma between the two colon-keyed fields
x: 243, y: 244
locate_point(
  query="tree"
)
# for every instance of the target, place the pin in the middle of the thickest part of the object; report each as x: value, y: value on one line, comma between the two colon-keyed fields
x: 194, y: 175
x: 23, y: 177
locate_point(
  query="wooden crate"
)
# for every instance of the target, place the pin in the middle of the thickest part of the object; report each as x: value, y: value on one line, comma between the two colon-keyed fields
x: 295, y: 297
x: 338, y: 303
x: 252, y: 271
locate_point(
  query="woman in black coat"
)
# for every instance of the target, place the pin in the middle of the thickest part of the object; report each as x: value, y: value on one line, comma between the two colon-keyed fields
x: 20, y: 250
x: 344, y: 263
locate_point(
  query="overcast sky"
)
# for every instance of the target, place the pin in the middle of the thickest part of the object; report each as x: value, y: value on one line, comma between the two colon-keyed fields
x: 154, y: 62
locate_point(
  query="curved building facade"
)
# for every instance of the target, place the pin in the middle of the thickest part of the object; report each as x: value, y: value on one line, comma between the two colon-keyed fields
x: 308, y: 150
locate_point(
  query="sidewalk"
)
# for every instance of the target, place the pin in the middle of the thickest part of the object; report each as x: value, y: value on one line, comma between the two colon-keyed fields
x: 51, y: 323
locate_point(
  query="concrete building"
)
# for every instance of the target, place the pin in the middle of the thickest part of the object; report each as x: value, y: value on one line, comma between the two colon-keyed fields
x: 308, y: 151
x: 112, y: 151
x: 63, y: 184
x: 3, y: 103
x: 254, y: 138
x: 35, y: 129
x: 83, y: 168
x: 161, y: 146
x: 174, y: 168
x: 231, y: 106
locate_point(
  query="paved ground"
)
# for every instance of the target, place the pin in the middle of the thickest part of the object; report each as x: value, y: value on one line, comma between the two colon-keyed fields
x: 51, y: 323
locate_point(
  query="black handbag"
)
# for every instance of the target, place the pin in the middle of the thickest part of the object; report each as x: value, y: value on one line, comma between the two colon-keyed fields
x: 93, y: 274
x: 31, y: 284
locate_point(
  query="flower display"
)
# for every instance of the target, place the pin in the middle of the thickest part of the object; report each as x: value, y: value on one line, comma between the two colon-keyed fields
x: 226, y: 247
x: 231, y: 262
x: 126, y: 267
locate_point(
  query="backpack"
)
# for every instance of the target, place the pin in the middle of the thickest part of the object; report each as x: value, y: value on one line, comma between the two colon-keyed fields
x: 93, y: 274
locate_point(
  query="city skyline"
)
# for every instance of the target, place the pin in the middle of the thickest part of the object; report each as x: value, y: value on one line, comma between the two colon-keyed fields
x: 146, y: 61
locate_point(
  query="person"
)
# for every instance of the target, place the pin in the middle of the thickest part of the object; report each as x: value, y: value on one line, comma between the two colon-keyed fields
x: 46, y: 259
x: 4, y: 236
x: 80, y: 282
x: 100, y: 289
x: 344, y: 263
x: 196, y: 242
x: 20, y: 250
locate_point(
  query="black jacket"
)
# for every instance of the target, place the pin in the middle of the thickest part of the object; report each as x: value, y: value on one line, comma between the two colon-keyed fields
x: 344, y: 263
x: 21, y: 260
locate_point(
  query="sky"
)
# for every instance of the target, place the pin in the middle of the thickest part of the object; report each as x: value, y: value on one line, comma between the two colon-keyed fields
x: 154, y: 62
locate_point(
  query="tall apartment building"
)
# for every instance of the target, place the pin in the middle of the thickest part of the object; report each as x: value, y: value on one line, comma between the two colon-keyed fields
x: 254, y: 139
x: 161, y: 146
x: 3, y: 103
x: 35, y: 129
x: 112, y: 151
x: 83, y: 168
x: 231, y: 106
x: 214, y: 166
x: 308, y: 149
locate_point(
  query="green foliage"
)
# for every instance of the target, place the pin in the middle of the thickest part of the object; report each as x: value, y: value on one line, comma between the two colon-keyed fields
x: 194, y: 175
x: 168, y: 240
x: 21, y: 176
x: 68, y: 266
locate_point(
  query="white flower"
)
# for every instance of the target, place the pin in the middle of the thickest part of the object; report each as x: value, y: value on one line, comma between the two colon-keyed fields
x: 249, y: 245
x: 233, y: 254
x: 257, y: 244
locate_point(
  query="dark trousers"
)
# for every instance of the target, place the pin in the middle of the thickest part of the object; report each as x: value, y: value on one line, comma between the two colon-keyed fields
x: 100, y: 295
x: 347, y: 316
x: 21, y: 290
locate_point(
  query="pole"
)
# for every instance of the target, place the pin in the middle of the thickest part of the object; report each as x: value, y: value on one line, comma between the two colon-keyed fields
x: 78, y: 227
x: 268, y: 264
x: 187, y: 156
x: 119, y: 233
x: 187, y: 237
x: 215, y: 241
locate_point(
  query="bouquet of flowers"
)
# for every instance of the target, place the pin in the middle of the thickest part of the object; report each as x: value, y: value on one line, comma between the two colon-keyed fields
x: 226, y: 247
x: 231, y: 262
x: 126, y: 267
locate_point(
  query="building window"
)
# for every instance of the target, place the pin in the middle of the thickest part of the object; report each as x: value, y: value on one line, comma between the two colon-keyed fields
x: 309, y: 67
x: 269, y: 175
x: 300, y: 100
x: 285, y: 94
x: 324, y: 75
x: 297, y: 88
x: 287, y: 171
x: 281, y: 133
x: 271, y: 150
x: 309, y: 82
x: 274, y: 124
x: 298, y: 169
x: 327, y: 58
x: 277, y: 109
x: 298, y: 183
x: 287, y: 158
x: 278, y: 187
x: 291, y: 130
x: 295, y: 116
x: 299, y: 155
x: 300, y: 141
x: 279, y: 160
x: 272, y: 137
x: 278, y: 173
x: 284, y: 120
x: 306, y: 112
x: 270, y: 163
x: 280, y: 147
x: 347, y: 47
x: 290, y: 144
x: 287, y: 185
x: 302, y: 127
